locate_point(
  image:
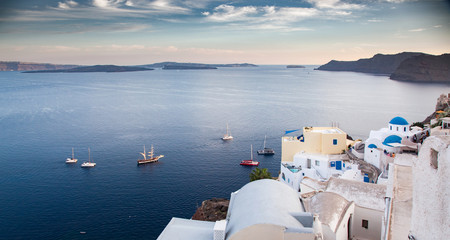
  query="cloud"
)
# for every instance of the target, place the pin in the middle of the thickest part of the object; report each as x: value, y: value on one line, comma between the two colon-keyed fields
x: 67, y: 4
x: 168, y: 6
x: 102, y: 3
x: 417, y: 30
x: 289, y: 14
x: 226, y: 13
x: 334, y: 4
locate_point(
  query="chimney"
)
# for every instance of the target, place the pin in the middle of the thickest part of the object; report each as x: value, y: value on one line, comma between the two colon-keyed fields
x: 219, y: 230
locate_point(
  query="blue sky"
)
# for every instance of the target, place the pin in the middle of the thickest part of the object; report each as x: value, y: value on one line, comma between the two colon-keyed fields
x: 128, y: 32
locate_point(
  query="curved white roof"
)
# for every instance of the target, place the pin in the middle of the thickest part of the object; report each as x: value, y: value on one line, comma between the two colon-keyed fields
x: 263, y: 202
x: 330, y: 207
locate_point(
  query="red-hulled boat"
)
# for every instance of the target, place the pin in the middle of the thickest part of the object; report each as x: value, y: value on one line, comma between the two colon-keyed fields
x: 250, y: 162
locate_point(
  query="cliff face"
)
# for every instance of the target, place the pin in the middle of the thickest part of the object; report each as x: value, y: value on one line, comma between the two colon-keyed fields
x: 24, y: 66
x: 424, y: 68
x: 212, y: 210
x: 378, y: 64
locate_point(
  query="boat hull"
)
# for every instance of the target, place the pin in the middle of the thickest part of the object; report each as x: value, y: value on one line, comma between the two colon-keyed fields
x: 266, y: 151
x: 249, y: 163
x: 88, y: 165
x: 71, y: 160
x: 150, y: 160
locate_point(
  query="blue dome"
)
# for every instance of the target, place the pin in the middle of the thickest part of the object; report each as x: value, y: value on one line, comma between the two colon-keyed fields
x: 372, y: 146
x: 399, y: 121
x: 392, y: 139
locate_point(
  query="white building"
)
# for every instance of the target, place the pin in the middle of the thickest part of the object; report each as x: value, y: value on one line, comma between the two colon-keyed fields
x: 318, y: 153
x: 417, y: 205
x: 430, y: 218
x: 347, y: 209
x: 264, y: 210
x: 382, y: 145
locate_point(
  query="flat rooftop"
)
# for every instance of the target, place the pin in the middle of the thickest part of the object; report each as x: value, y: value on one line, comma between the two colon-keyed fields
x: 325, y: 130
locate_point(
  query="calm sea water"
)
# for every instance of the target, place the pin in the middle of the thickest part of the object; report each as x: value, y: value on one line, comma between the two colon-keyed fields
x: 183, y: 114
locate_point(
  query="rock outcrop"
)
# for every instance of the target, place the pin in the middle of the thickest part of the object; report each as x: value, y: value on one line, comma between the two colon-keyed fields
x: 378, y: 64
x: 424, y: 68
x: 212, y: 210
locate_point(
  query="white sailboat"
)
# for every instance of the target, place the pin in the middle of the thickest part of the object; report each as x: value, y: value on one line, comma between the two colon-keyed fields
x: 227, y: 136
x: 89, y: 163
x: 72, y: 159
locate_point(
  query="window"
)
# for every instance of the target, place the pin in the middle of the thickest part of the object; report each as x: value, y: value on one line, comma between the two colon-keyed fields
x: 404, y: 129
x: 391, y: 127
x: 317, y: 163
x: 283, y: 176
x: 334, y: 141
x: 365, y: 224
x: 397, y: 129
x: 434, y: 158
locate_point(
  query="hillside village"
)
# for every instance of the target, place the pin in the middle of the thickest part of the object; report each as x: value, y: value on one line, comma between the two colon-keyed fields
x: 391, y: 186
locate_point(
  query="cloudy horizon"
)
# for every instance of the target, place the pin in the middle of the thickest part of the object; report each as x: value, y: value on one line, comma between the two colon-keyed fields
x: 129, y: 32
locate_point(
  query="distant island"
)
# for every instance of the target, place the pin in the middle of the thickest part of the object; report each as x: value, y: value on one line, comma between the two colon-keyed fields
x: 406, y: 66
x: 27, y: 66
x: 58, y: 68
x: 96, y: 68
x: 193, y: 66
x: 295, y: 66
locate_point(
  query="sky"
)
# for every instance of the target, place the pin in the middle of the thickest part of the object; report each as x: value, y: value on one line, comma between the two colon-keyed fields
x: 133, y: 32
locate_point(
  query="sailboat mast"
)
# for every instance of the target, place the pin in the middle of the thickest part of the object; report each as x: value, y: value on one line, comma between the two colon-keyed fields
x: 72, y: 154
x: 145, y: 155
x: 251, y: 151
x: 151, y: 152
x: 265, y: 141
x: 89, y: 150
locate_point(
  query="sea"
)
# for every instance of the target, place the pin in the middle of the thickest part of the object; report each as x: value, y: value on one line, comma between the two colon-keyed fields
x: 183, y: 114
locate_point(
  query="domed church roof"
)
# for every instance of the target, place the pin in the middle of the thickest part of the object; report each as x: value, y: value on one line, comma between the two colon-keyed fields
x: 392, y: 139
x: 399, y: 121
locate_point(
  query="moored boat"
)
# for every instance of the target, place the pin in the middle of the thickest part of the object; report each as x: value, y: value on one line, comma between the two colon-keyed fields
x: 88, y: 164
x: 266, y: 151
x: 151, y: 158
x: 72, y: 159
x: 250, y: 162
x: 227, y: 136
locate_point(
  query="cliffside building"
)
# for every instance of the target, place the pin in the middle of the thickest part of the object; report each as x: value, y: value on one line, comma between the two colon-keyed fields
x: 382, y: 145
x: 347, y: 209
x: 263, y: 210
x: 417, y: 205
x: 318, y: 153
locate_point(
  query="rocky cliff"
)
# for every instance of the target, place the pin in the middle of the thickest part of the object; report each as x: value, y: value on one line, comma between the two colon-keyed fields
x: 424, y: 68
x: 212, y: 210
x: 378, y: 64
x: 26, y: 66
